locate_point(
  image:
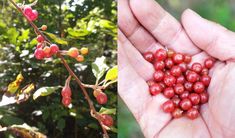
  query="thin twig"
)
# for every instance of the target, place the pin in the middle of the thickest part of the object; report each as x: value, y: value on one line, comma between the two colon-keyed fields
x: 92, y: 108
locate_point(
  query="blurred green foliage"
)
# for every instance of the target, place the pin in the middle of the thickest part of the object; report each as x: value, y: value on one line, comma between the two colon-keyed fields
x: 220, y: 11
x: 71, y: 23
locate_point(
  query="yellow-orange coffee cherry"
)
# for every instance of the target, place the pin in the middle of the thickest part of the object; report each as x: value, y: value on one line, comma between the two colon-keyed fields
x: 73, y: 52
x: 44, y: 27
x: 84, y: 51
x: 80, y: 58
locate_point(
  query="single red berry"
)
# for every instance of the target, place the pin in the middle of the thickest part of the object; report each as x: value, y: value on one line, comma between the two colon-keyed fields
x: 66, y: 91
x: 39, y: 54
x: 175, y: 71
x: 170, y: 53
x: 209, y: 63
x: 160, y: 54
x: 102, y: 98
x: 198, y: 87
x: 187, y: 72
x: 34, y: 15
x: 40, y: 39
x: 194, y: 98
x: 169, y: 80
x: 168, y: 106
x: 54, y: 48
x: 162, y: 85
x: 185, y: 104
x: 205, y: 71
x: 180, y: 79
x: 149, y: 56
x: 159, y: 65
x: 66, y: 101
x: 205, y: 79
x: 169, y: 63
x: 192, y: 113
x: 150, y: 82
x: 204, y: 97
x: 168, y: 92
x: 187, y: 59
x: 27, y: 10
x: 158, y: 75
x: 188, y: 86
x: 176, y: 101
x: 196, y: 67
x: 179, y: 88
x: 184, y: 95
x: 155, y: 89
x: 107, y: 120
x: 178, y: 58
x: 183, y: 67
x: 192, y: 76
x: 177, y: 113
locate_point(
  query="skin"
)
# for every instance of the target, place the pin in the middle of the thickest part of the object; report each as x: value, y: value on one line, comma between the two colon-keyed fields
x: 145, y: 26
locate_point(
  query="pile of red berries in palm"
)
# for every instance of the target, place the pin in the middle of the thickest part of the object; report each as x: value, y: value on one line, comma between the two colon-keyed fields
x: 184, y: 86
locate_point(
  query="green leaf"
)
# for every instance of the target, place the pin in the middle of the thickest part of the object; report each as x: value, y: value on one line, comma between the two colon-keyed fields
x: 24, y: 35
x: 99, y: 67
x: 45, y: 91
x: 112, y: 74
x: 12, y: 35
x: 77, y: 33
x: 107, y: 111
x: 107, y: 24
x: 113, y: 129
x: 57, y: 39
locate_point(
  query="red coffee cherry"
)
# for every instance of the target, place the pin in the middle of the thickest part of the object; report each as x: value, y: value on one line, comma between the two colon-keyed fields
x: 194, y: 98
x: 192, y: 76
x: 34, y: 15
x: 198, y: 87
x: 159, y: 65
x: 39, y: 54
x: 180, y: 79
x: 155, y: 89
x: 196, y: 67
x: 66, y: 91
x: 175, y: 71
x: 158, y: 75
x: 204, y: 97
x: 169, y: 80
x: 170, y: 53
x: 184, y: 95
x: 187, y: 59
x: 183, y: 67
x: 192, y: 113
x: 27, y: 10
x: 179, y: 88
x: 176, y: 101
x: 102, y: 98
x: 168, y: 92
x: 188, y: 86
x: 107, y: 120
x: 178, y: 58
x: 160, y: 54
x: 40, y: 39
x: 167, y: 72
x: 54, y: 48
x: 39, y: 45
x: 169, y: 63
x: 149, y: 56
x: 209, y: 63
x: 162, y: 85
x: 177, y: 113
x: 205, y: 79
x: 196, y: 107
x: 168, y: 106
x: 73, y: 52
x: 185, y: 104
x: 96, y: 92
x: 205, y: 71
x: 150, y: 82
x: 66, y: 101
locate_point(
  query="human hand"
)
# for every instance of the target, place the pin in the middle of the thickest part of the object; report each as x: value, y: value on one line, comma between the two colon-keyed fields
x: 145, y: 26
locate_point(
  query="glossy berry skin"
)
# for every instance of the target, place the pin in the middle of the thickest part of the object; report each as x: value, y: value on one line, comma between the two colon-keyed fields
x: 170, y: 53
x: 205, y: 79
x: 160, y: 54
x: 39, y: 45
x: 34, y: 15
x: 204, y: 97
x: 159, y: 65
x: 80, y: 58
x: 169, y: 80
x: 209, y: 63
x: 196, y: 107
x: 205, y: 71
x: 96, y: 92
x: 169, y: 63
x: 187, y: 59
x: 102, y: 98
x: 168, y: 92
x: 168, y: 106
x: 180, y: 79
x: 39, y: 54
x: 167, y: 72
x: 150, y: 82
x: 40, y: 39
x: 54, y: 48
x: 27, y: 10
x: 196, y: 67
x: 188, y: 86
x: 158, y: 75
x: 155, y: 89
x: 162, y: 85
x: 183, y: 67
x: 149, y: 56
x: 192, y: 76
x: 66, y: 92
x: 178, y: 58
x: 177, y: 113
x: 194, y: 98
x: 198, y: 87
x: 107, y: 120
x: 176, y: 101
x: 84, y: 51
x: 184, y: 95
x: 73, y: 52
x: 192, y: 113
x: 185, y: 104
x: 66, y: 101
x: 176, y: 71
x: 47, y: 51
x: 179, y: 88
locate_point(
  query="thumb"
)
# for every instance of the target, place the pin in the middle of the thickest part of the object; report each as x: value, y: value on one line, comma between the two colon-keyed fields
x: 213, y: 38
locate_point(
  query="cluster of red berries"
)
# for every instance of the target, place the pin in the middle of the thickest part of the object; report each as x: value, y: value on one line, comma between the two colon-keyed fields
x: 184, y: 86
x: 66, y: 93
x: 100, y: 96
x: 31, y: 14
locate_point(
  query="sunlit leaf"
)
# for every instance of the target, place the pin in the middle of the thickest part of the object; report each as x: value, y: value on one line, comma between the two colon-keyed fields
x: 57, y: 39
x: 99, y: 67
x: 78, y: 33
x: 14, y: 86
x: 112, y: 74
x: 107, y: 111
x: 45, y: 91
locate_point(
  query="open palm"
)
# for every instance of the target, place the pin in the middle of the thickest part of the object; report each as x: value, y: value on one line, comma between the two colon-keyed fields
x: 145, y: 26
